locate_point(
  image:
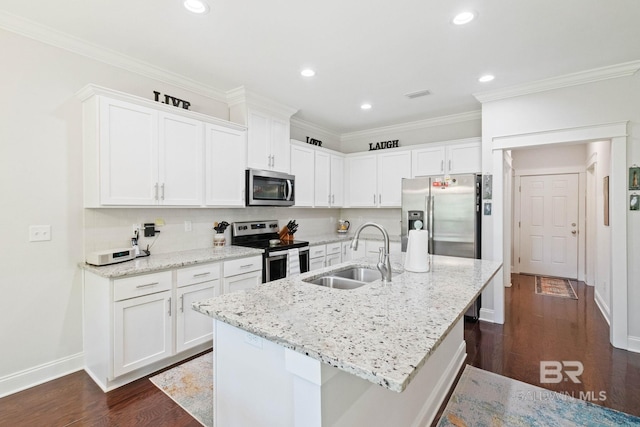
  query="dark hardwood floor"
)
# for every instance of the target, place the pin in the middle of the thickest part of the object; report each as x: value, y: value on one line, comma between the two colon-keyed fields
x: 537, y: 328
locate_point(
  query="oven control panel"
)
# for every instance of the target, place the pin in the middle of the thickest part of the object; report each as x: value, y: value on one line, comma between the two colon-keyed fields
x: 250, y: 228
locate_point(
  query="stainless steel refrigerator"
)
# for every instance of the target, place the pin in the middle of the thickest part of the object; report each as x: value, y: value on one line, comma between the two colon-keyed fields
x: 450, y: 209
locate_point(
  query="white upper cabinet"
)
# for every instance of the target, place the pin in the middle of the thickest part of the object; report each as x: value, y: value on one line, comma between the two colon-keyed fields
x: 451, y: 158
x: 268, y: 143
x: 127, y: 153
x: 375, y: 180
x: 337, y: 180
x: 322, y: 179
x: 392, y: 167
x: 148, y: 157
x: 302, y: 167
x: 138, y: 152
x: 268, y: 123
x: 362, y: 181
x: 225, y: 154
x: 180, y: 160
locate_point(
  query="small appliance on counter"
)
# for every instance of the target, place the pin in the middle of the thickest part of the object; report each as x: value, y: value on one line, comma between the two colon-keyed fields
x: 343, y: 226
x: 111, y: 256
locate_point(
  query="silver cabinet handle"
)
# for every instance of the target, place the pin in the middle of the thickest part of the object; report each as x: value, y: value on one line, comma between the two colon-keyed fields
x: 333, y: 199
x: 441, y: 165
x: 162, y: 191
x: 169, y: 307
x: 380, y: 198
x: 147, y: 285
x: 246, y: 266
x: 374, y: 199
x: 182, y: 303
x: 206, y: 273
x: 449, y: 165
x: 156, y: 191
x: 329, y: 199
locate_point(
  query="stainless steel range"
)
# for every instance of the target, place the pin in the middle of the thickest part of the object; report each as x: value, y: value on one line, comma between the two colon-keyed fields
x: 264, y: 235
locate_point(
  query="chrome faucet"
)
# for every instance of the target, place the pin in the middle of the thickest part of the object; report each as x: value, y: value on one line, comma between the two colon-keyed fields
x: 384, y: 264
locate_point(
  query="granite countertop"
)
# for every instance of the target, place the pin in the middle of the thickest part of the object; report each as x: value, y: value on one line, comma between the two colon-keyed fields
x: 383, y: 333
x: 158, y: 262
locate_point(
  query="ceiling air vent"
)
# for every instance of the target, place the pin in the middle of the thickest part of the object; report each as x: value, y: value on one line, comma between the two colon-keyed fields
x: 417, y: 94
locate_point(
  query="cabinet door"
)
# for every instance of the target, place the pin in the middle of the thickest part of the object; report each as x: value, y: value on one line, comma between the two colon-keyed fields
x: 464, y: 158
x: 373, y: 247
x: 225, y: 165
x: 392, y: 167
x: 280, y: 145
x: 142, y: 331
x: 428, y: 161
x: 348, y: 254
x: 337, y: 181
x: 302, y: 167
x: 333, y: 259
x: 316, y: 263
x: 128, y: 154
x: 192, y: 327
x: 322, y: 180
x: 242, y: 281
x: 259, y: 140
x: 180, y: 161
x: 362, y: 181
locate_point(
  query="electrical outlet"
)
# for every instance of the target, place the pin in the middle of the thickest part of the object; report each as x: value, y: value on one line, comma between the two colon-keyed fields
x: 187, y: 226
x: 253, y: 340
x: 39, y: 233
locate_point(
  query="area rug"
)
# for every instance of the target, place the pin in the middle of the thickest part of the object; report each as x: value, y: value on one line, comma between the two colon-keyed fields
x: 190, y: 385
x: 555, y: 286
x: 483, y: 398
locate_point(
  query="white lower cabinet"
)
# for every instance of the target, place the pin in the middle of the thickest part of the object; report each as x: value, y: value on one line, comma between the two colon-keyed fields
x: 372, y: 247
x: 317, y: 255
x: 333, y: 254
x: 242, y: 274
x: 142, y: 331
x: 136, y: 325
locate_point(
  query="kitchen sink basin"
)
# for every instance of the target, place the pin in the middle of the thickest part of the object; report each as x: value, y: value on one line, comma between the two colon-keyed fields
x: 350, y: 278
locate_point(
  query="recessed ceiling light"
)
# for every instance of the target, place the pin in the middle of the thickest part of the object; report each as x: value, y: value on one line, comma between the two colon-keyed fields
x: 196, y: 6
x: 486, y: 78
x: 366, y: 106
x: 308, y: 72
x: 463, y: 18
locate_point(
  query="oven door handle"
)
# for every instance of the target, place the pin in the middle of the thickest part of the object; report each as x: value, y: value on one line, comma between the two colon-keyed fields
x: 285, y: 252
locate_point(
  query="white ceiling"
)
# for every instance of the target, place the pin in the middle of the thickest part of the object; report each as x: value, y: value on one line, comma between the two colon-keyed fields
x: 362, y: 50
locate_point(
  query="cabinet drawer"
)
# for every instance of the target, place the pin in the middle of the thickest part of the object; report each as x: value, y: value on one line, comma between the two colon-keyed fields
x: 317, y: 251
x: 198, y: 274
x: 141, y: 285
x: 243, y: 265
x: 334, y: 248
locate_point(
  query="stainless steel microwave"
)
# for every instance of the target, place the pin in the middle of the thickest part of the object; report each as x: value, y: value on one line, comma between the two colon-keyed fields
x: 269, y: 188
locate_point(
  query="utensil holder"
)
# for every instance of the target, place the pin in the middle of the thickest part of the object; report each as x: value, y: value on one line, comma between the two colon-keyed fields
x: 219, y: 240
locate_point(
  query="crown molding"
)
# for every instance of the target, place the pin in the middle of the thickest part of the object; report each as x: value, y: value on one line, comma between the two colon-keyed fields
x: 73, y: 44
x: 567, y: 80
x: 241, y: 95
x: 312, y: 127
x: 416, y: 125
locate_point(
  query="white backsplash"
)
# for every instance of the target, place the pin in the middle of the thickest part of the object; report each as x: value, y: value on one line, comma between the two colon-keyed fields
x: 112, y: 228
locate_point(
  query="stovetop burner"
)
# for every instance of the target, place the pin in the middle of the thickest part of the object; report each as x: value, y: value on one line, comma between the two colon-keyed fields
x: 257, y: 234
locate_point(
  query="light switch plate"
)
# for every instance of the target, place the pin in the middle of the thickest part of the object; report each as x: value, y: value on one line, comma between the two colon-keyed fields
x: 39, y: 233
x: 187, y: 226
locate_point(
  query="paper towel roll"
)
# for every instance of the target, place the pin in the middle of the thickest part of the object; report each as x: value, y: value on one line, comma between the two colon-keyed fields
x: 417, y: 258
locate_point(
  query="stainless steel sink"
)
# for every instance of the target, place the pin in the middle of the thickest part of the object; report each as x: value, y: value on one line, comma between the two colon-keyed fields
x: 337, y: 282
x: 350, y: 278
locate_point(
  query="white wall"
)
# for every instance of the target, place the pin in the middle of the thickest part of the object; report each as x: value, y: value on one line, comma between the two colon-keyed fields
x: 602, y: 150
x: 41, y: 183
x: 609, y: 101
x: 548, y: 159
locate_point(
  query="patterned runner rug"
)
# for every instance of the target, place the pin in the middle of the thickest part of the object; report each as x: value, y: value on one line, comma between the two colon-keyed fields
x: 555, y: 286
x: 483, y: 398
x: 190, y: 385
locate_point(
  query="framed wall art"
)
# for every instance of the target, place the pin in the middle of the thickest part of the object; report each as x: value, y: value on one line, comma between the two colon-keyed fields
x: 634, y: 202
x: 634, y: 178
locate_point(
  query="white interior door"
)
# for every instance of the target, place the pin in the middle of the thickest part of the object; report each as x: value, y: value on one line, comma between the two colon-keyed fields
x: 549, y: 225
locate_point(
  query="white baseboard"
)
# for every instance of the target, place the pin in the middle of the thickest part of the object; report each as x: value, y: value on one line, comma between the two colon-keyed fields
x: 604, y: 308
x: 487, y: 315
x: 37, y: 375
x: 633, y: 343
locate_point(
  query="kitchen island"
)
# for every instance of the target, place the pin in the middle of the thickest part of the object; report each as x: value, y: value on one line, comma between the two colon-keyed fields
x: 291, y: 353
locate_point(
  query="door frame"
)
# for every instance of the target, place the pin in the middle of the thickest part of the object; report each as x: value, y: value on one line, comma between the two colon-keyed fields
x: 517, y: 199
x: 591, y: 236
x: 617, y: 134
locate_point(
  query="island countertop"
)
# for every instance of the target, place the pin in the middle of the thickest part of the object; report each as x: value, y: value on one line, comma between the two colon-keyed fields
x: 383, y: 333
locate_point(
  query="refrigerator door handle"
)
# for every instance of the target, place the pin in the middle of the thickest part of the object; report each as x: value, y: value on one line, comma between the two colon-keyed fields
x: 431, y: 201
